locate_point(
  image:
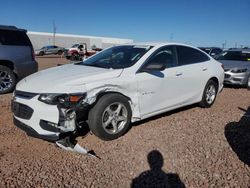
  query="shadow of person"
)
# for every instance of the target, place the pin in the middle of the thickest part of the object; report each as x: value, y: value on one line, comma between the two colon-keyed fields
x: 238, y: 136
x: 156, y: 177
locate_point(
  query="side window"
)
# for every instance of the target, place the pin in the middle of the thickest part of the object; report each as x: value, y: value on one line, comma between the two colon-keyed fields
x: 233, y: 55
x: 187, y: 55
x: 15, y: 38
x: 245, y: 56
x: 165, y: 55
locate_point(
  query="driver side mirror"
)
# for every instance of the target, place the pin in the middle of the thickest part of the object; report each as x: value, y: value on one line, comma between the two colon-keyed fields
x: 154, y: 66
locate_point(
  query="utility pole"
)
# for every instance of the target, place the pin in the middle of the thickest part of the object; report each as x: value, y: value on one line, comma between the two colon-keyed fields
x: 54, y: 33
x: 224, y: 45
x: 171, y: 37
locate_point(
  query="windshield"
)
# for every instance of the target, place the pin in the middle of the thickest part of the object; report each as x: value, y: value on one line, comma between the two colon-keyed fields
x: 75, y: 46
x: 233, y: 55
x: 117, y: 57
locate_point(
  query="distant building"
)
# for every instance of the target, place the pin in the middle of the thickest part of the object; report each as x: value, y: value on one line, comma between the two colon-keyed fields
x: 40, y: 39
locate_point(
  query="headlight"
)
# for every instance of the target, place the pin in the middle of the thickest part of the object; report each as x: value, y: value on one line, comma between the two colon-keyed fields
x: 239, y: 70
x: 65, y: 100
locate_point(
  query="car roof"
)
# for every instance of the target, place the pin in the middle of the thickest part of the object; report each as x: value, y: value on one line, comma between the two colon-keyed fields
x: 209, y: 47
x: 239, y: 50
x: 158, y: 44
x: 12, y: 28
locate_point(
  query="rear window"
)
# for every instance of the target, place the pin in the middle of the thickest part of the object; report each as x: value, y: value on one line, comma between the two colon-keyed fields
x: 14, y: 38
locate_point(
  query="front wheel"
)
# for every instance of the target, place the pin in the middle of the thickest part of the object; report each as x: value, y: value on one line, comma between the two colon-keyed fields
x: 209, y: 94
x: 110, y: 117
x: 248, y: 82
x: 74, y: 57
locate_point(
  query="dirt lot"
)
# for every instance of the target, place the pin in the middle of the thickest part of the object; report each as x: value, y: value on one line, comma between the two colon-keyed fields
x: 191, y: 147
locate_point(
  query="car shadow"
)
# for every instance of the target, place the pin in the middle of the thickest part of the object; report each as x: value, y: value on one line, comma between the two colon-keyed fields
x: 156, y: 177
x: 238, y: 136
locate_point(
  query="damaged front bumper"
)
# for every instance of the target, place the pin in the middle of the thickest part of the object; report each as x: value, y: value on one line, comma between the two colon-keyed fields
x: 32, y: 132
x: 40, y: 120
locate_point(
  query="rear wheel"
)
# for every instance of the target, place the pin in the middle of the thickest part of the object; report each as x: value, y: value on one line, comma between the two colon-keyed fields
x: 110, y: 117
x: 41, y: 53
x: 7, y: 80
x: 60, y: 52
x: 209, y: 94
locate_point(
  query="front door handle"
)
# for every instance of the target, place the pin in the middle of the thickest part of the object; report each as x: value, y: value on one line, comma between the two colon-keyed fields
x: 204, y: 69
x: 178, y: 74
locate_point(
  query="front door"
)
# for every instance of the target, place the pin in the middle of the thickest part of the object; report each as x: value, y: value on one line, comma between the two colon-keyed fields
x: 159, y: 90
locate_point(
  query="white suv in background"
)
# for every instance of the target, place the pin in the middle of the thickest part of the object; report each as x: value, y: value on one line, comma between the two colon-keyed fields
x: 115, y: 87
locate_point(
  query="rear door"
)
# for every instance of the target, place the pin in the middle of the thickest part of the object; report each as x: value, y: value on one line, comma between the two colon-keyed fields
x: 193, y: 68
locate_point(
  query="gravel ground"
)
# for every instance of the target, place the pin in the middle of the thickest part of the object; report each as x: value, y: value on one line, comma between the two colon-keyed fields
x: 191, y: 147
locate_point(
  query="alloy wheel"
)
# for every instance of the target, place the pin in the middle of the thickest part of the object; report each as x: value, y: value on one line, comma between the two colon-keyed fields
x: 114, y: 118
x: 5, y: 80
x: 210, y: 94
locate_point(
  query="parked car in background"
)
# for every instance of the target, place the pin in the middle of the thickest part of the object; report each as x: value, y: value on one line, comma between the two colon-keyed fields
x: 16, y: 57
x: 119, y: 85
x: 48, y: 50
x: 80, y: 51
x: 237, y: 66
x: 212, y: 51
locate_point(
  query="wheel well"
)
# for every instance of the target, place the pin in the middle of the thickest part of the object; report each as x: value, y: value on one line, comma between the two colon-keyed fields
x: 216, y: 81
x: 7, y: 63
x: 111, y: 92
x: 97, y: 99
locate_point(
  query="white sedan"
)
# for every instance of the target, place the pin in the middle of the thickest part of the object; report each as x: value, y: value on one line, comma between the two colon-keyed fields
x: 115, y: 87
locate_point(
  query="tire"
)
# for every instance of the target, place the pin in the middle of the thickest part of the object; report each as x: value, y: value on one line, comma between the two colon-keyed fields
x: 59, y: 52
x: 209, y: 94
x: 110, y: 117
x: 248, y: 83
x: 74, y: 57
x: 41, y: 53
x: 7, y: 80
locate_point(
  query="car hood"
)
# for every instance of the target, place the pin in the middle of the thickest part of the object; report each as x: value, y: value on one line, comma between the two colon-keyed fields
x: 65, y: 79
x: 230, y: 64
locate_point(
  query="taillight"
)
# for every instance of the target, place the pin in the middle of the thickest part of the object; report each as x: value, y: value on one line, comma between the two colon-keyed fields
x: 223, y: 66
x: 32, y: 54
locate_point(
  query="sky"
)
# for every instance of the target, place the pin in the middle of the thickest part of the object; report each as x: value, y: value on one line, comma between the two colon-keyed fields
x: 195, y: 22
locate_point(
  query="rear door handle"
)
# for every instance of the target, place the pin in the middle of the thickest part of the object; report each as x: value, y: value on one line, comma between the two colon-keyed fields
x: 204, y: 69
x: 178, y: 74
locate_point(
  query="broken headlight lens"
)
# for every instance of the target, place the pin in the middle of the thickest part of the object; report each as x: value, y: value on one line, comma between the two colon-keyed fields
x: 65, y: 100
x: 239, y: 70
